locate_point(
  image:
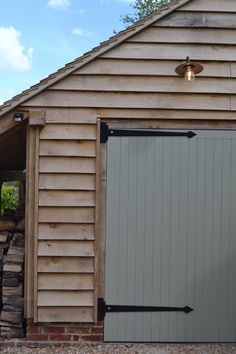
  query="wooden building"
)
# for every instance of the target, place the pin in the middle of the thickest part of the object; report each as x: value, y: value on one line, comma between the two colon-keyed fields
x: 144, y: 220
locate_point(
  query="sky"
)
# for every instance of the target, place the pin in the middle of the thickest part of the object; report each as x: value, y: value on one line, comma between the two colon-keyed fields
x: 37, y: 37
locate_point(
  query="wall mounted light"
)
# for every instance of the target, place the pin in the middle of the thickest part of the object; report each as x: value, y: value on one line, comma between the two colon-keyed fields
x: 18, y: 117
x: 189, y: 69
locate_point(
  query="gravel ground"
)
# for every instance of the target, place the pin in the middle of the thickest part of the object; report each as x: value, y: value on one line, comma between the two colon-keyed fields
x: 46, y: 348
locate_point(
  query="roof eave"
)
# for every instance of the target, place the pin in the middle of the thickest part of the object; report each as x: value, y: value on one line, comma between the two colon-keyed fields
x: 104, y: 47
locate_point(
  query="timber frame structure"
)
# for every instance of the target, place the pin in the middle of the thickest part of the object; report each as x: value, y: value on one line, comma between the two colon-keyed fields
x: 128, y: 81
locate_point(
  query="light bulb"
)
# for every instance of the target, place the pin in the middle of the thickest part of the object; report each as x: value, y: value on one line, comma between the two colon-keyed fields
x: 189, y: 75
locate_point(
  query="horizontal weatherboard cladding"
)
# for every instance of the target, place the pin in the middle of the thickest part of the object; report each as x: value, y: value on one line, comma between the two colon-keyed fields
x: 135, y: 85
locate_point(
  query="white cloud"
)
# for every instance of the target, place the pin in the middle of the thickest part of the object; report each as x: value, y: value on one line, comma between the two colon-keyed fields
x: 1, y: 101
x: 81, y: 32
x: 12, y: 53
x: 59, y: 4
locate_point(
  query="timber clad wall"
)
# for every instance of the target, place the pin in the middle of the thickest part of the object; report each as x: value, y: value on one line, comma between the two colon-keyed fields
x: 66, y: 220
x: 134, y: 81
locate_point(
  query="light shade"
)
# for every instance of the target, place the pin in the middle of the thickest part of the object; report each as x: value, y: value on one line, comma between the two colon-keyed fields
x: 189, y: 69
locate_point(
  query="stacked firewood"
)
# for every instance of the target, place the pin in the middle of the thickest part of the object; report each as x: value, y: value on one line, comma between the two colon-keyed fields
x: 12, y: 268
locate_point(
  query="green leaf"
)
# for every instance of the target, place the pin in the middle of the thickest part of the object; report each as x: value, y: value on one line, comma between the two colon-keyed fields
x: 10, y: 197
x: 142, y: 8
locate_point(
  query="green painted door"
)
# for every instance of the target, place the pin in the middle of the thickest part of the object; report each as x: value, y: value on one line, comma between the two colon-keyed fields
x: 171, y: 237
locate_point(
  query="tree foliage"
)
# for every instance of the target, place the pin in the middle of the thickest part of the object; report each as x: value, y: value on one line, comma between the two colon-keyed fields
x: 10, y: 197
x: 141, y: 8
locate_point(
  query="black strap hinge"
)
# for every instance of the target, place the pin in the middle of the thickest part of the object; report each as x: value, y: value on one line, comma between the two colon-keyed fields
x: 103, y: 309
x: 105, y: 132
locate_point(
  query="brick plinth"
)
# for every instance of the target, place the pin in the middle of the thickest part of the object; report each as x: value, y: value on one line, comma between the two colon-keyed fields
x: 64, y: 332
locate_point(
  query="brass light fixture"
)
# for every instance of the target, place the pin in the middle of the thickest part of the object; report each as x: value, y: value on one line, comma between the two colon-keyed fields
x: 189, y: 69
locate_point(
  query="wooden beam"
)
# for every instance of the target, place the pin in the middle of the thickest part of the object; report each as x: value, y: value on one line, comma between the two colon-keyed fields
x: 67, y: 132
x: 59, y: 264
x: 72, y: 148
x: 66, y: 215
x: 54, y: 298
x: 31, y: 220
x: 66, y: 181
x: 37, y: 118
x: 196, y: 20
x: 66, y: 198
x: 65, y: 281
x: 55, y: 248
x: 204, y: 6
x: 29, y: 216
x: 173, y: 51
x: 101, y: 227
x: 97, y: 221
x: 36, y: 219
x: 139, y: 67
x: 131, y: 83
x: 67, y: 165
x: 65, y: 314
x: 57, y: 231
x: 148, y: 100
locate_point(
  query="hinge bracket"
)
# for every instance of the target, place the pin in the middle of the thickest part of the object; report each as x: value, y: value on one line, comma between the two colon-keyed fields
x: 105, y: 132
x: 103, y: 309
